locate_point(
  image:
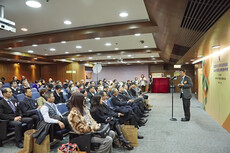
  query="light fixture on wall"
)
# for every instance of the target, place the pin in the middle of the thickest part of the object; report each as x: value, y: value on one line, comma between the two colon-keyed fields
x: 212, y: 55
x: 33, y: 3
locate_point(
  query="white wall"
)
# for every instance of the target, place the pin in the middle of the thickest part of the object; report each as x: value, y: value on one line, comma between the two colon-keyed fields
x: 121, y: 73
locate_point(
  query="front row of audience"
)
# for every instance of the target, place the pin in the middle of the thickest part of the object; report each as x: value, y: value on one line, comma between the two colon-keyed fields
x: 82, y: 105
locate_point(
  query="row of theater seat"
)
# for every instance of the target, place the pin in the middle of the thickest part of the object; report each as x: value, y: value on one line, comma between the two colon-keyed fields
x: 6, y: 131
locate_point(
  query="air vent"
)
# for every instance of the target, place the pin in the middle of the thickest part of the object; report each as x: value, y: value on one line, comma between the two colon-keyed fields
x: 200, y: 15
x: 179, y: 50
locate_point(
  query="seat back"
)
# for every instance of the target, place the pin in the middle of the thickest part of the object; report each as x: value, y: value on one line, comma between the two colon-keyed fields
x: 34, y: 90
x: 6, y: 85
x: 82, y: 140
x: 62, y: 108
x: 20, y: 97
x: 35, y: 95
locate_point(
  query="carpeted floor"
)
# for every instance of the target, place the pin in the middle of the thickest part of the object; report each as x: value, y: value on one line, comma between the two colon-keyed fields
x: 201, y: 134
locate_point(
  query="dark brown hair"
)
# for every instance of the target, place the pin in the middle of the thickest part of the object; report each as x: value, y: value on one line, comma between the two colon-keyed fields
x: 77, y: 100
x: 42, y: 91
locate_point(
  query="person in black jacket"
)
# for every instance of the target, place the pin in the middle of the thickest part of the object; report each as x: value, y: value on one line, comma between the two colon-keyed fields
x: 126, y: 106
x: 14, y: 89
x: 99, y: 116
x: 123, y: 95
x: 30, y: 106
x: 59, y: 98
x: 10, y: 111
x: 120, y: 116
x: 90, y: 92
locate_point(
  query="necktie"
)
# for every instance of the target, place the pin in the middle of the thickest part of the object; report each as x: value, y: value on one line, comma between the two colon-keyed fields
x: 12, y: 106
x: 182, y: 82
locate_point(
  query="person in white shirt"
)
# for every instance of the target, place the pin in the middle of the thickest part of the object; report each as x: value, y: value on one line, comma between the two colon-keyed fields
x: 51, y: 114
x: 143, y: 82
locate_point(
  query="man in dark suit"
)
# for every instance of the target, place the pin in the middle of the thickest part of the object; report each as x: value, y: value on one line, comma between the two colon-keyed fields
x: 59, y: 98
x: 10, y: 111
x: 186, y: 93
x: 15, y: 90
x: 90, y: 92
x: 30, y: 106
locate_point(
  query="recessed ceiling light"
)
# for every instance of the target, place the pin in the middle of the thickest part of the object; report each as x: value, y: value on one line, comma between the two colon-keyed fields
x: 137, y: 34
x: 216, y: 46
x: 133, y: 27
x: 146, y: 46
x: 78, y: 55
x: 63, y: 42
x: 90, y: 50
x: 67, y: 22
x: 108, y: 44
x: 33, y: 3
x: 35, y: 58
x: 73, y: 59
x: 90, y: 57
x: 138, y: 61
x: 52, y: 49
x: 63, y: 60
x: 152, y: 56
x: 187, y: 63
x: 17, y: 53
x: 129, y: 55
x: 109, y: 63
x: 123, y: 14
x: 97, y: 38
x: 34, y: 45
x: 9, y: 47
x: 191, y: 59
x: 116, y: 48
x: 199, y: 56
x: 30, y: 51
x: 79, y: 47
x: 24, y: 29
x: 108, y: 56
x: 66, y: 52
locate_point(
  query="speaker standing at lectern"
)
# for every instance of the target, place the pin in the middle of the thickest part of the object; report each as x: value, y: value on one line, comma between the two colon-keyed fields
x: 185, y: 93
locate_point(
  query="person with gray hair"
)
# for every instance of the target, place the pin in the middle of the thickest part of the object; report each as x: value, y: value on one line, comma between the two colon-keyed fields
x: 51, y: 114
x: 74, y: 90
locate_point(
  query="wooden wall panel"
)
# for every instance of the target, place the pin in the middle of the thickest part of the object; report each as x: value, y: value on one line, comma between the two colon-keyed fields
x: 58, y: 71
x: 8, y: 70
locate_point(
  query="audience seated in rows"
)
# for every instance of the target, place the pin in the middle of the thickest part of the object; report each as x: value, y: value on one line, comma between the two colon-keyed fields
x: 10, y: 111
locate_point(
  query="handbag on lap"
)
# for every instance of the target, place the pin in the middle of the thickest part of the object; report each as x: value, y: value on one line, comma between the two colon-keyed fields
x: 103, y: 131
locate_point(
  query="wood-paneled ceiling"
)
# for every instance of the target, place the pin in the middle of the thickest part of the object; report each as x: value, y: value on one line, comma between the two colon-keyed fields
x: 168, y: 29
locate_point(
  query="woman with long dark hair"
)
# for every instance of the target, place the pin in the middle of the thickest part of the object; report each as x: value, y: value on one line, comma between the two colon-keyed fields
x: 82, y: 122
x: 98, y: 114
